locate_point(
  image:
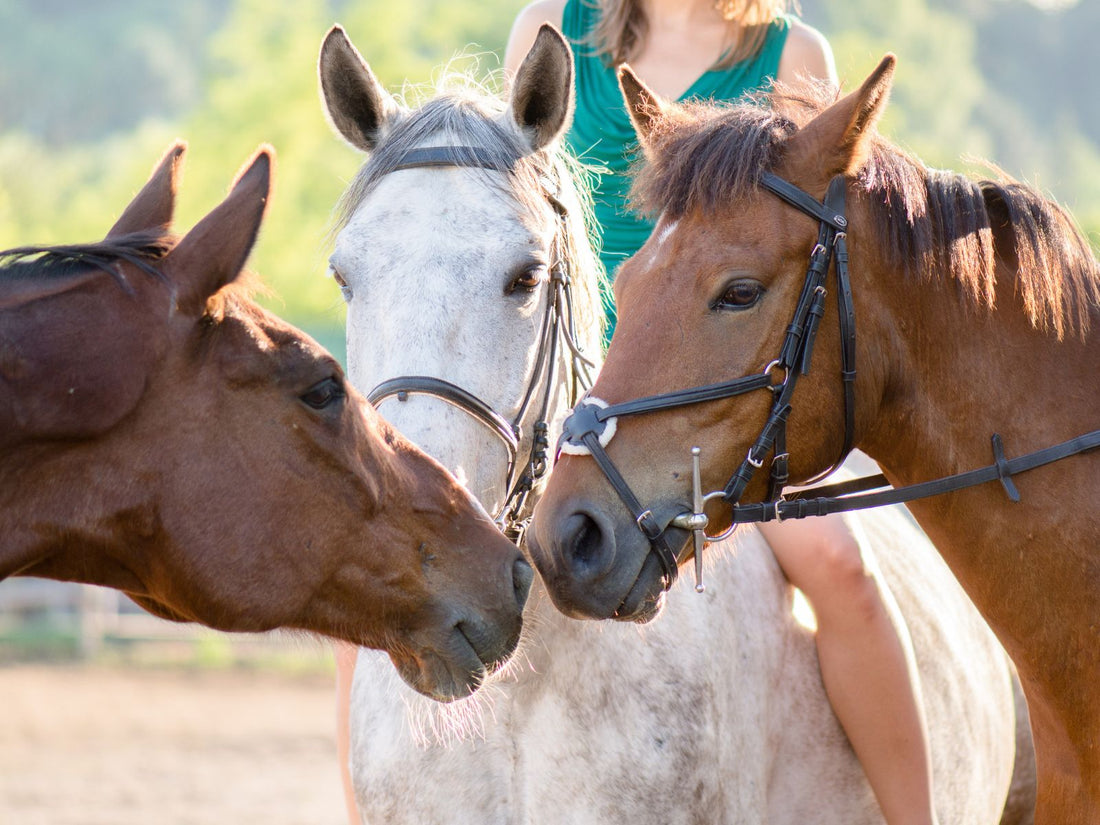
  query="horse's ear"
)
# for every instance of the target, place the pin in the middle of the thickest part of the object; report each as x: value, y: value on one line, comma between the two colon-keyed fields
x: 356, y: 103
x: 213, y: 253
x: 542, y: 90
x: 152, y: 207
x: 838, y: 141
x: 644, y: 106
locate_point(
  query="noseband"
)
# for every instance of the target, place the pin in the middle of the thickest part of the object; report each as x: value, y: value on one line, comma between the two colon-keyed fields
x: 587, y: 430
x: 557, y: 329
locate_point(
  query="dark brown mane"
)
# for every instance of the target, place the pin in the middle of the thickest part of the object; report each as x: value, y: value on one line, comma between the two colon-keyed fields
x: 927, y: 222
x: 145, y: 250
x: 142, y: 249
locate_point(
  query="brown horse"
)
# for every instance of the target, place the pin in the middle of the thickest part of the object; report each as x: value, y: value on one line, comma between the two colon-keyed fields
x: 973, y: 302
x: 164, y: 435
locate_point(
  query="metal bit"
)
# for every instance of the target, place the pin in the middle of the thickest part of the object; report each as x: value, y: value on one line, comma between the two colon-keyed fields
x: 698, y: 533
x: 697, y: 520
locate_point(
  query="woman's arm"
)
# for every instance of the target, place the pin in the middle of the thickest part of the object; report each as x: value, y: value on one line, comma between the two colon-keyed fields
x: 526, y: 28
x: 806, y: 55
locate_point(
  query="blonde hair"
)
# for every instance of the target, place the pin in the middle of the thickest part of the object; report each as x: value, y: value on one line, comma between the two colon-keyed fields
x: 623, y: 27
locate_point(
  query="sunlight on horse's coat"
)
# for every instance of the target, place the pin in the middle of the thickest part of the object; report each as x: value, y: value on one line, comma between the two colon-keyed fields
x: 802, y: 612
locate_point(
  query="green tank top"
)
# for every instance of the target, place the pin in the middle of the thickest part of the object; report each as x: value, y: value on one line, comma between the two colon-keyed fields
x: 601, y: 133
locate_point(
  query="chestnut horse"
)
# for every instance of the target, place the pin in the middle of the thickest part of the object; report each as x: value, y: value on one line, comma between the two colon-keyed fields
x: 973, y: 302
x: 164, y: 435
x: 458, y: 281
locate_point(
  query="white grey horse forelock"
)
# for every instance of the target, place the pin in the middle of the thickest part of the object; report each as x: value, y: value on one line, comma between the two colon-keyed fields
x: 713, y: 713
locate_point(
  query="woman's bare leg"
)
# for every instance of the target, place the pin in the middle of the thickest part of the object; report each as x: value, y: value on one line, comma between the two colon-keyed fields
x: 346, y: 656
x: 867, y: 662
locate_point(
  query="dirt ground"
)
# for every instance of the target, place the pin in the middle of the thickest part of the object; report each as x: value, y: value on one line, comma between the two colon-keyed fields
x: 117, y: 746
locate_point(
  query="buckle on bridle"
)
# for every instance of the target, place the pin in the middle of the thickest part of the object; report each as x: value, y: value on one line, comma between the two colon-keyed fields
x: 778, y: 515
x: 786, y: 374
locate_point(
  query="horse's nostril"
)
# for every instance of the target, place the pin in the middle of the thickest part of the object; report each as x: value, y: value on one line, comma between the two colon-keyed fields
x: 586, y: 549
x: 522, y: 576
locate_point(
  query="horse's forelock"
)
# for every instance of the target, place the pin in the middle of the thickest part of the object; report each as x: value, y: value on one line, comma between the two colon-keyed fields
x: 705, y: 155
x: 459, y: 118
x: 928, y: 223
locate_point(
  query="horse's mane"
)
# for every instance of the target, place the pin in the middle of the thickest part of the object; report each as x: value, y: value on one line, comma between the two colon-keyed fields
x: 926, y: 221
x: 463, y: 113
x: 142, y: 249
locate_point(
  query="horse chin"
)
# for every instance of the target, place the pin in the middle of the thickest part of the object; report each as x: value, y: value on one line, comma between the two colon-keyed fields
x: 444, y: 677
x: 646, y: 598
x: 454, y: 669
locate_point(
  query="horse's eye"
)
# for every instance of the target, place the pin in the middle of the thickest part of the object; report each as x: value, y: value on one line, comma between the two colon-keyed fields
x: 324, y: 394
x: 740, y: 295
x: 526, y: 280
x: 345, y: 290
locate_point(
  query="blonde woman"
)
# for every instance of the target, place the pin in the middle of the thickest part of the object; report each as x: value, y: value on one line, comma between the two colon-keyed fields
x: 722, y: 50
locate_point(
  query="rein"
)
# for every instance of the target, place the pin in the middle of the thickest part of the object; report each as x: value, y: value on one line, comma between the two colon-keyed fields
x: 592, y: 424
x: 557, y: 328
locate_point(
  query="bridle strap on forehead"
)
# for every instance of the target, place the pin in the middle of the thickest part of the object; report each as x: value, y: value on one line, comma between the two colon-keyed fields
x: 825, y: 212
x: 439, y: 157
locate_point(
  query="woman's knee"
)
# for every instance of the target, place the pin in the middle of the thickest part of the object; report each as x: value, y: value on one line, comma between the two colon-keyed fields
x: 834, y: 571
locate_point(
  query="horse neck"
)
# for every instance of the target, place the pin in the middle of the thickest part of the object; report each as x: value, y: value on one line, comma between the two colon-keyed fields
x: 98, y: 527
x: 951, y: 376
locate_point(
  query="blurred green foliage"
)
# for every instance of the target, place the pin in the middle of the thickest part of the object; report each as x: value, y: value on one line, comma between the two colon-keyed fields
x: 92, y: 93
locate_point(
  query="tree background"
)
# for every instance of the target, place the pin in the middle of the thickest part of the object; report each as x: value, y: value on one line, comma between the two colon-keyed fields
x: 91, y: 93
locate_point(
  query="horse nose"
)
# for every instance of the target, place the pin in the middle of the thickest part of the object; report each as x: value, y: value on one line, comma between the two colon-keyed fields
x: 587, y: 549
x: 522, y: 576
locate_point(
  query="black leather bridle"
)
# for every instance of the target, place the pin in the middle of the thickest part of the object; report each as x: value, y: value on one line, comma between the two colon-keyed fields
x: 591, y: 425
x: 589, y: 420
x: 557, y: 330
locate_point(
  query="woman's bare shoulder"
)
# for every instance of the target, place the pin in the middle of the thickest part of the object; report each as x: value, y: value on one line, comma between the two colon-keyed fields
x: 526, y: 26
x: 806, y: 54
